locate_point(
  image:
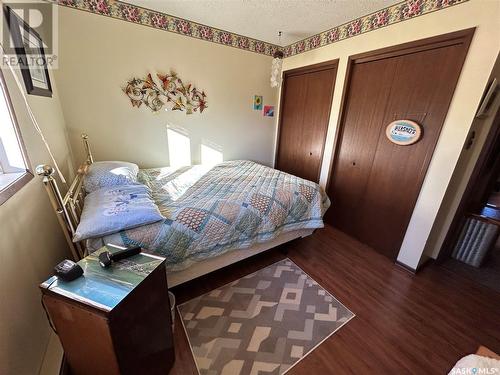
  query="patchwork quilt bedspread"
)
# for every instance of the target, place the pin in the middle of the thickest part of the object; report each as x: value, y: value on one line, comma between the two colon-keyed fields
x: 211, y: 210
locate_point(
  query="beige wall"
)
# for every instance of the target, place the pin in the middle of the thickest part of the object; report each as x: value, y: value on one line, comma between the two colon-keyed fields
x: 99, y: 54
x: 31, y: 242
x: 482, y: 14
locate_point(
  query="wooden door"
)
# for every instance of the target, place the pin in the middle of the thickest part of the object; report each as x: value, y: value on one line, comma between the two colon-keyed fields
x: 304, y: 115
x: 375, y: 183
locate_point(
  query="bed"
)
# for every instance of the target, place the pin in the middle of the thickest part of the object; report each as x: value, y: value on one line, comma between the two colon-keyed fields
x: 214, y: 215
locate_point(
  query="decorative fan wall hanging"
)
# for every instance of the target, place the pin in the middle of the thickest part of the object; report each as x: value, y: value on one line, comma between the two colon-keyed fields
x: 168, y: 89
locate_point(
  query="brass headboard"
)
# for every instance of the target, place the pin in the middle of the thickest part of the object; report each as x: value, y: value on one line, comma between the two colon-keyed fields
x: 68, y: 208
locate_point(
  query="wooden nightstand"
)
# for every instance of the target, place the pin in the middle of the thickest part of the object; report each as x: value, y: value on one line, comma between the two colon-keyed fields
x: 115, y: 320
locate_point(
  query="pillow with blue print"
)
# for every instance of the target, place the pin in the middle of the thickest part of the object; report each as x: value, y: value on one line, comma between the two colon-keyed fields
x: 110, y: 173
x: 112, y: 209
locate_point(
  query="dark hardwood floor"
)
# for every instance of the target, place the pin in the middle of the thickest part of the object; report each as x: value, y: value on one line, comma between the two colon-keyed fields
x: 404, y: 324
x: 488, y: 274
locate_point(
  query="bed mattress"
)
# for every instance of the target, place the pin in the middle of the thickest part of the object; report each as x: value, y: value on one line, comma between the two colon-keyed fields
x: 211, y: 210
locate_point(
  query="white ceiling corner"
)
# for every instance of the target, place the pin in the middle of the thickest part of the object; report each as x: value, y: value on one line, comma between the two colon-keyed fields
x: 262, y: 19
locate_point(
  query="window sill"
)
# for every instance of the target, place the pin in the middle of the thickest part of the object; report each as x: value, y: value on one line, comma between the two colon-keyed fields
x: 11, y: 183
x: 8, y: 178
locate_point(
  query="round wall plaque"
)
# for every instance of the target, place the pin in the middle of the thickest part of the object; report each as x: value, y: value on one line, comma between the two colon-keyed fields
x: 403, y: 132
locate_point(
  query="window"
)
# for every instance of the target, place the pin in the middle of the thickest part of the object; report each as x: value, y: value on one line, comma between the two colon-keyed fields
x: 14, y: 165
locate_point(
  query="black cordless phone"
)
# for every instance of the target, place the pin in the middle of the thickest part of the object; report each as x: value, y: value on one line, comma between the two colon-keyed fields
x: 122, y: 254
x: 106, y: 258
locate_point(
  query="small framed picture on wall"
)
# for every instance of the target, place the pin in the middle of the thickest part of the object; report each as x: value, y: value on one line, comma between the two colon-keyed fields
x: 268, y: 111
x: 29, y: 49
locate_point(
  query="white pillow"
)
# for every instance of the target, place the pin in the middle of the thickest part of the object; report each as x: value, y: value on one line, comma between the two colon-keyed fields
x: 111, y: 209
x: 110, y: 173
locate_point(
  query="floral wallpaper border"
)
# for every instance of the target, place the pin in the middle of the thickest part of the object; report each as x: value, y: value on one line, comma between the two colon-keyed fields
x: 393, y: 14
x: 132, y: 13
x: 162, y: 21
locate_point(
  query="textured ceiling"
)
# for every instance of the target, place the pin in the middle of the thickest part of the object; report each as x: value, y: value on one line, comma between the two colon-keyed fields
x: 262, y: 19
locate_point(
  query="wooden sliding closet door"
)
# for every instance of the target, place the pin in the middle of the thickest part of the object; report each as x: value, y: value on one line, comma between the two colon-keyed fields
x: 305, y: 111
x: 375, y: 183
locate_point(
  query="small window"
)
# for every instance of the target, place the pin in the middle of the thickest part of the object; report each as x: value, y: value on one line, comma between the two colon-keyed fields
x: 14, y: 165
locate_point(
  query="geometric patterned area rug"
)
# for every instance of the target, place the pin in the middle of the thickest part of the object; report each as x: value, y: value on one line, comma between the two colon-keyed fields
x: 263, y: 323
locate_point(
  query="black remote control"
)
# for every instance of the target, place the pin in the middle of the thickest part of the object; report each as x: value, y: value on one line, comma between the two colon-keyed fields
x: 106, y: 258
